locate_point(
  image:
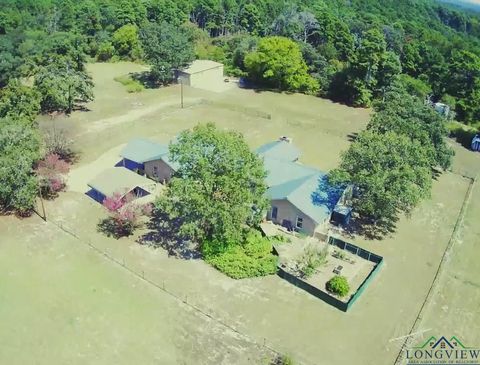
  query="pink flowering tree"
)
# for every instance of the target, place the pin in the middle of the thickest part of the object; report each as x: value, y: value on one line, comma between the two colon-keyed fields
x: 51, y: 173
x: 124, y: 215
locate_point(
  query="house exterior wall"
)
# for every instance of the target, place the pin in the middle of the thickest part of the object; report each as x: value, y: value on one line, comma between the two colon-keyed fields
x: 286, y: 211
x: 183, y: 78
x: 207, y: 77
x: 200, y: 79
x: 158, y: 170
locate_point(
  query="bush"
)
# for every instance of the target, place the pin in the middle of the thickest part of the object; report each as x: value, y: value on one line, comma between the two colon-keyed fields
x: 57, y: 142
x: 253, y: 258
x: 132, y: 86
x: 312, y: 259
x: 105, y: 52
x: 124, y: 216
x: 51, y: 173
x: 338, y: 285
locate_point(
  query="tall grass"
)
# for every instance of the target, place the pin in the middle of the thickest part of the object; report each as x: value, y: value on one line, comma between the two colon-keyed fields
x: 131, y: 85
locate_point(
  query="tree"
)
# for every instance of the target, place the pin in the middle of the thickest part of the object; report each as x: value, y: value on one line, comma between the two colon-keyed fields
x: 167, y: 48
x: 19, y: 150
x: 19, y: 101
x: 62, y: 87
x: 125, y: 41
x: 391, y: 174
x: 363, y: 73
x: 219, y: 186
x: 465, y: 85
x: 405, y: 114
x: 278, y: 63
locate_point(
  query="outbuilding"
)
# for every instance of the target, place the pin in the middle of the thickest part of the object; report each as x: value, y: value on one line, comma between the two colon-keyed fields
x: 119, y: 180
x: 202, y: 74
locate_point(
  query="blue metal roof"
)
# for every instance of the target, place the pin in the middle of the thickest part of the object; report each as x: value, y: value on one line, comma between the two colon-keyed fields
x: 143, y: 150
x: 306, y: 188
x: 281, y: 150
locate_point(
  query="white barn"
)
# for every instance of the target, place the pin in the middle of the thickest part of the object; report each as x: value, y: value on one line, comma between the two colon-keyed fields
x: 201, y: 74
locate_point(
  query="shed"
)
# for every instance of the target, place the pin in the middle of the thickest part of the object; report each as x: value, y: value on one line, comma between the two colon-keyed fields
x: 119, y: 180
x: 201, y: 74
x: 139, y: 151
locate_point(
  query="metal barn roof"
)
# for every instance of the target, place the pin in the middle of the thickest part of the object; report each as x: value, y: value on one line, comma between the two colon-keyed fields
x: 119, y: 180
x: 143, y: 150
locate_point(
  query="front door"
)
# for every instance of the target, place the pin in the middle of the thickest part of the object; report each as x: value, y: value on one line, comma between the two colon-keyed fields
x: 274, y: 213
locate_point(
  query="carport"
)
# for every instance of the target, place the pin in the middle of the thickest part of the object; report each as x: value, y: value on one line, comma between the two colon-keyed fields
x: 119, y: 180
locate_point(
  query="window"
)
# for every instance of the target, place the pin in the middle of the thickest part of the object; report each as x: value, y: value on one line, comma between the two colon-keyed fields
x: 274, y: 212
x: 299, y: 222
x: 155, y: 171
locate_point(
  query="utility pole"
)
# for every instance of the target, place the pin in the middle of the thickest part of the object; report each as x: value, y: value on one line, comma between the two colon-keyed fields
x: 43, y: 206
x: 181, y: 91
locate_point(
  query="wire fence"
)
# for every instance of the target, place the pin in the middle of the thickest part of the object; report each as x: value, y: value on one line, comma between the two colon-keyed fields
x: 261, y: 343
x: 453, y: 238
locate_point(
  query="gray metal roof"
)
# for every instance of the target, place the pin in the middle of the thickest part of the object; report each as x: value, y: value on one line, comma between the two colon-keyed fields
x: 143, y: 150
x: 119, y: 180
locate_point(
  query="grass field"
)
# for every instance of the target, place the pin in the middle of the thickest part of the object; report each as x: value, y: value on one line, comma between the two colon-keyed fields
x: 48, y: 279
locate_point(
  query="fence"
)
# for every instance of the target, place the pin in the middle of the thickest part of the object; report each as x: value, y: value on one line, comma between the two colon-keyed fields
x: 325, y: 296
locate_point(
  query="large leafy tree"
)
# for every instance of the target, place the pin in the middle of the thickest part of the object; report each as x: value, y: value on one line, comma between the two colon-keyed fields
x: 19, y: 150
x: 390, y: 171
x: 465, y: 85
x: 278, y: 63
x: 125, y: 41
x: 408, y: 115
x: 167, y: 48
x: 62, y: 87
x: 219, y: 187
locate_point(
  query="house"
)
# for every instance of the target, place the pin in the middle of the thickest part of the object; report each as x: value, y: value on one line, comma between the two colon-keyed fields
x: 301, y: 197
x: 119, y: 180
x: 148, y: 158
x: 201, y: 74
x: 476, y: 143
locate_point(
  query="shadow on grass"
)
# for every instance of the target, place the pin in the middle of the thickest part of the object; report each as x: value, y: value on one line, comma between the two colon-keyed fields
x: 110, y: 227
x: 145, y: 78
x: 371, y: 230
x: 164, y: 233
x: 464, y: 137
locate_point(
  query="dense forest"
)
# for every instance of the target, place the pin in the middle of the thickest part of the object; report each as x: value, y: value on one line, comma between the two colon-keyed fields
x: 351, y: 51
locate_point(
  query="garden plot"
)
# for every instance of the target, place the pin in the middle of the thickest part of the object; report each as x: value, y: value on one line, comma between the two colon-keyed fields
x: 316, y: 262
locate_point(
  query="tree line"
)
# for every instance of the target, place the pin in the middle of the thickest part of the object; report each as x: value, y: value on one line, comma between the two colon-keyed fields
x: 349, y: 51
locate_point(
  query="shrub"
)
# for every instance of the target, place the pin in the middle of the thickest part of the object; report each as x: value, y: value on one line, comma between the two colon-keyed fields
x: 124, y: 216
x: 57, y: 142
x: 105, y: 52
x: 312, y: 259
x: 252, y: 258
x: 338, y: 285
x: 131, y: 85
x: 51, y: 171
